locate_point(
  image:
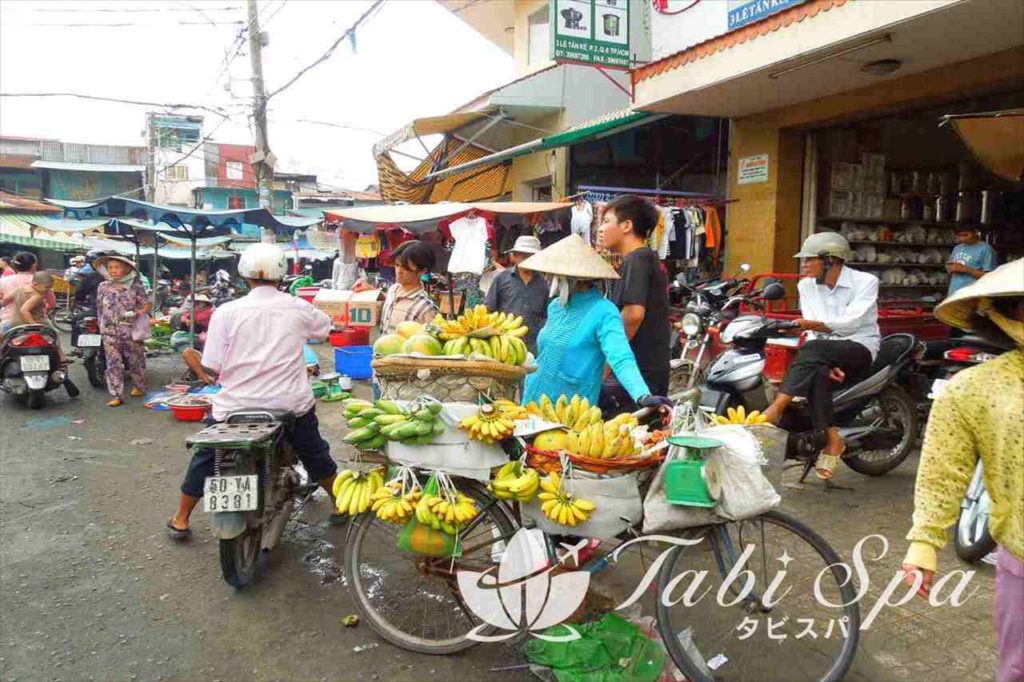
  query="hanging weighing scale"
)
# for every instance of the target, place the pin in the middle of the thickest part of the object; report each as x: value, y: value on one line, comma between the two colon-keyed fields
x: 691, y: 480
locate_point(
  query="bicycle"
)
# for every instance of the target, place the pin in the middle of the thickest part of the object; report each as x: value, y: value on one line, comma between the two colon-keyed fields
x: 60, y: 316
x: 414, y: 601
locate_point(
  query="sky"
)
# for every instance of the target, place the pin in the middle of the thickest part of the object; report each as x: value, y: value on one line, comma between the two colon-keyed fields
x: 412, y: 58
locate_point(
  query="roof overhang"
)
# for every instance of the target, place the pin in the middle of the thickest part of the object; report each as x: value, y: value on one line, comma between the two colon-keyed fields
x: 494, y: 20
x: 88, y: 167
x: 806, y: 53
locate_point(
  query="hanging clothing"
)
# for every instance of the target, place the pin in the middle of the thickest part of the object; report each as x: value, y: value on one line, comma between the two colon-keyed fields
x: 712, y: 230
x: 470, y: 251
x: 582, y: 220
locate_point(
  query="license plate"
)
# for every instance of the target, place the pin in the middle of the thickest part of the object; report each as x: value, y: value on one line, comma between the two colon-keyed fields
x: 230, y: 493
x: 938, y: 386
x: 35, y: 363
x: 89, y: 340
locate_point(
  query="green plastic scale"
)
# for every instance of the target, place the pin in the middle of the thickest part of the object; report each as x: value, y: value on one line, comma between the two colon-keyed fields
x: 688, y: 480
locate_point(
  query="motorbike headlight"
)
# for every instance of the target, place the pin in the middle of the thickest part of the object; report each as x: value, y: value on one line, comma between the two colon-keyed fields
x: 691, y: 324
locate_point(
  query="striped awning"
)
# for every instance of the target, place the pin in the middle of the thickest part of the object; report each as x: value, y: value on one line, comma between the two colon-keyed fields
x: 40, y: 243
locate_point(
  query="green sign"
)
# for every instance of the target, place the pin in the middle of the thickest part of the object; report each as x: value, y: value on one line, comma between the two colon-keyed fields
x: 591, y: 32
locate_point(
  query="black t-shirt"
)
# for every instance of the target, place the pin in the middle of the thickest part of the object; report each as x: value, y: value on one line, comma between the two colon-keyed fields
x: 644, y: 283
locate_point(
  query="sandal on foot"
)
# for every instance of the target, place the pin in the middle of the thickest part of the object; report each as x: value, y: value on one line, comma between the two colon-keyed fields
x: 826, y: 464
x: 136, y: 393
x: 115, y: 403
x: 178, y: 533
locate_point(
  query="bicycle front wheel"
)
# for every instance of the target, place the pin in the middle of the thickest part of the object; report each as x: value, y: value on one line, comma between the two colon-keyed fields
x: 411, y: 600
x: 790, y: 615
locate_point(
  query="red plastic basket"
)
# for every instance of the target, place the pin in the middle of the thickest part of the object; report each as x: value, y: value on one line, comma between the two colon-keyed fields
x: 351, y: 336
x: 190, y: 413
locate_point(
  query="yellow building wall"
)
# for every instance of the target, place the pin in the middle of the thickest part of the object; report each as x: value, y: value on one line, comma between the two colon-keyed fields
x: 764, y: 222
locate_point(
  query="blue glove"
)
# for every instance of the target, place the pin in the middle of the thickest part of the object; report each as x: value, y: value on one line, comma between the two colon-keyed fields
x: 654, y: 401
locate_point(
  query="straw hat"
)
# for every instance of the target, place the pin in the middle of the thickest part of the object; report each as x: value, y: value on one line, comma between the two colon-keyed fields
x: 526, y: 244
x: 1005, y: 281
x: 103, y: 260
x: 570, y: 257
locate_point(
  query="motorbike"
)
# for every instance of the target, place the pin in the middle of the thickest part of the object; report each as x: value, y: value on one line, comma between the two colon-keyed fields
x: 30, y: 364
x: 85, y: 337
x: 876, y: 418
x: 255, y: 488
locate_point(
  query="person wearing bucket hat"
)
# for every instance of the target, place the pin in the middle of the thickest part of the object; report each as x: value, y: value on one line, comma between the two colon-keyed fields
x: 839, y: 313
x: 978, y: 415
x: 518, y: 291
x: 584, y: 331
x: 120, y: 301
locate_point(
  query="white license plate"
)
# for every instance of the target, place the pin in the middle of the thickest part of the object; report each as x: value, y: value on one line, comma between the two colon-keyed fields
x: 230, y: 493
x: 89, y: 340
x: 35, y: 363
x: 938, y: 386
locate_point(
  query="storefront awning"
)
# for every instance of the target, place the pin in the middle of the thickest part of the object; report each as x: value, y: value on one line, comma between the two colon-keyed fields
x: 67, y: 226
x: 996, y: 139
x: 604, y: 126
x: 40, y: 243
x: 127, y: 248
x: 419, y: 218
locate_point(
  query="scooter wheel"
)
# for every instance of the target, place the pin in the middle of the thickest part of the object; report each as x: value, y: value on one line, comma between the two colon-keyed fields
x: 35, y: 399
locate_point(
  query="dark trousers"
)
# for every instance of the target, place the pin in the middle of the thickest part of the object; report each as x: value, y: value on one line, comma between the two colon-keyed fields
x: 808, y: 375
x: 615, y: 400
x: 304, y: 436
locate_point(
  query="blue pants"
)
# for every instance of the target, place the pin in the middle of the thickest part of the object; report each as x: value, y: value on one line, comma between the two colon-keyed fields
x: 304, y: 436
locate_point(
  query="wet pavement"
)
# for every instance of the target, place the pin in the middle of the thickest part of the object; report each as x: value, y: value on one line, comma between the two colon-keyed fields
x: 91, y: 587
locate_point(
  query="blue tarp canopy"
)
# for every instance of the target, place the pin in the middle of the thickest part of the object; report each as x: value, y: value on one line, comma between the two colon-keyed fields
x: 126, y: 248
x: 192, y: 222
x: 66, y: 225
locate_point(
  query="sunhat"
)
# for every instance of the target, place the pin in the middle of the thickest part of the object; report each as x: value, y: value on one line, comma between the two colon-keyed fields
x: 1005, y: 281
x: 570, y: 257
x: 102, y: 261
x: 203, y: 298
x: 526, y: 244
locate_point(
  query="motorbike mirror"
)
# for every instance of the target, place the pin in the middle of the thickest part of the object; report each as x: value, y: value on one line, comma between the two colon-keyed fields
x: 774, y: 292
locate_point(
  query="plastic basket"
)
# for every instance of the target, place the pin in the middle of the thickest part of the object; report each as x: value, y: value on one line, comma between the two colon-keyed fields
x: 354, y: 361
x: 350, y: 336
x: 190, y: 413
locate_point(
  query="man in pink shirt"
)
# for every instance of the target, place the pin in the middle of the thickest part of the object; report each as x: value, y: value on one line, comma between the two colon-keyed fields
x: 255, y: 346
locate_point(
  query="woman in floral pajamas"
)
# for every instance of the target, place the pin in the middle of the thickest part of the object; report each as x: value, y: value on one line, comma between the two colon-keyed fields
x: 119, y: 301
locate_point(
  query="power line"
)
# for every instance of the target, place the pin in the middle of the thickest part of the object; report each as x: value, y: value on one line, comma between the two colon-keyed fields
x: 213, y: 110
x: 127, y: 10
x: 126, y: 24
x: 340, y: 125
x: 327, y: 55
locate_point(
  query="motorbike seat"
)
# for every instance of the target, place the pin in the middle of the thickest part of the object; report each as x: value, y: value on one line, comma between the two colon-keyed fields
x: 893, y: 350
x: 284, y: 417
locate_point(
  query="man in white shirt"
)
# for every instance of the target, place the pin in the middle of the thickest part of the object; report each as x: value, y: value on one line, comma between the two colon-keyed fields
x: 255, y: 345
x: 839, y: 308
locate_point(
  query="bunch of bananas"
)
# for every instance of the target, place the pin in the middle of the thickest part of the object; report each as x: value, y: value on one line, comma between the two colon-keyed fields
x: 392, y: 504
x: 604, y: 440
x: 514, y: 481
x: 494, y: 421
x: 447, y: 513
x: 560, y: 506
x: 373, y: 424
x: 353, y: 490
x: 576, y: 413
x: 739, y: 415
x: 508, y: 349
x: 495, y: 335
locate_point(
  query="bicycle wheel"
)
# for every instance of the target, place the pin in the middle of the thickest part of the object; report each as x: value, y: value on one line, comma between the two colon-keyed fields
x: 750, y: 640
x: 411, y: 600
x: 60, y: 318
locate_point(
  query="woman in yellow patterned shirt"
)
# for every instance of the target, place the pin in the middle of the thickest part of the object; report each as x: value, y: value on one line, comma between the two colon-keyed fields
x: 979, y: 414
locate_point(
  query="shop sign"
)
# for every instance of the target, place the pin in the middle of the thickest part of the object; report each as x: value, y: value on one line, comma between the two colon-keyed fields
x: 752, y: 169
x: 743, y: 12
x: 591, y: 32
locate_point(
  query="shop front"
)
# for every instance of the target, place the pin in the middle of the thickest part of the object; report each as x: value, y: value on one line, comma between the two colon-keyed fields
x: 835, y: 110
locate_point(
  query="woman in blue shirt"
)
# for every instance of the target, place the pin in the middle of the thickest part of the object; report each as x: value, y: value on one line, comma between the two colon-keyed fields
x: 584, y: 329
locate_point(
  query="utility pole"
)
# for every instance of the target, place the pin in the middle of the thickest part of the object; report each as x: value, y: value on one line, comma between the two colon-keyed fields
x: 263, y: 161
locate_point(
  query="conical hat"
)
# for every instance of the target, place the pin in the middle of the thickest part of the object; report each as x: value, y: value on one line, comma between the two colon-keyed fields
x: 570, y: 257
x: 958, y: 309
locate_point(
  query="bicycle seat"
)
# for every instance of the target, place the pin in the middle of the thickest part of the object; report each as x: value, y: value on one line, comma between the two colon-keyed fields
x: 284, y: 417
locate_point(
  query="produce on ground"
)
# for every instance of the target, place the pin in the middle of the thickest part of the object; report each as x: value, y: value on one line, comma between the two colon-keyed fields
x: 739, y: 415
x: 353, y: 490
x: 494, y: 335
x: 515, y: 481
x: 560, y: 505
x: 372, y: 424
x: 494, y: 421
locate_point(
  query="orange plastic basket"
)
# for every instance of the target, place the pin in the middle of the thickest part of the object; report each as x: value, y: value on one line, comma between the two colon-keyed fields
x: 547, y: 461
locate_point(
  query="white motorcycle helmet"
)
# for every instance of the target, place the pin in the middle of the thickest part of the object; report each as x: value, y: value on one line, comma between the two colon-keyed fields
x: 263, y: 261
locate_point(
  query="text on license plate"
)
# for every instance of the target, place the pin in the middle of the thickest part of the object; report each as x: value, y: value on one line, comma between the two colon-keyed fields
x: 230, y: 493
x: 35, y: 363
x: 89, y: 340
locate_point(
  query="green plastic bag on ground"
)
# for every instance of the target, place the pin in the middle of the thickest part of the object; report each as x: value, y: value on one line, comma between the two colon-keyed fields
x: 609, y: 650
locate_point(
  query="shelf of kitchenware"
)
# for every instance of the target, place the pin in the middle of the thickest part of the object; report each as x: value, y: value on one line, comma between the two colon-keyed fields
x: 893, y: 242
x: 883, y: 221
x: 896, y: 264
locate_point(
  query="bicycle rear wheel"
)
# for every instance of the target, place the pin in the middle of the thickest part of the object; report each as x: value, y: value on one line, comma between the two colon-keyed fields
x: 411, y: 600
x: 751, y: 640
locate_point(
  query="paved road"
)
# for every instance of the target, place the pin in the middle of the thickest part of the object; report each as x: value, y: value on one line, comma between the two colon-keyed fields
x: 92, y: 589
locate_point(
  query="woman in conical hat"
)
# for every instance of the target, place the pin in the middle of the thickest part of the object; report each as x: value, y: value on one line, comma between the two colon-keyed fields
x: 584, y: 330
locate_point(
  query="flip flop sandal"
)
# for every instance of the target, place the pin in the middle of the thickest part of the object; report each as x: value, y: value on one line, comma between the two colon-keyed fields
x: 136, y: 393
x: 825, y: 466
x: 177, y: 533
x: 115, y: 403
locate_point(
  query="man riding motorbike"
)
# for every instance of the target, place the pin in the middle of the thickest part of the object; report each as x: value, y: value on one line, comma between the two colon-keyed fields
x: 839, y: 311
x: 255, y: 344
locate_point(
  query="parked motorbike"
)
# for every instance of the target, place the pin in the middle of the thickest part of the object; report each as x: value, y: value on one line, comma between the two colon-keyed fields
x: 876, y: 418
x: 30, y: 364
x: 85, y: 337
x: 255, y: 487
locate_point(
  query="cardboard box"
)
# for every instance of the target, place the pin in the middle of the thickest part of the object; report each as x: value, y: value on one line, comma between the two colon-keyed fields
x: 350, y: 309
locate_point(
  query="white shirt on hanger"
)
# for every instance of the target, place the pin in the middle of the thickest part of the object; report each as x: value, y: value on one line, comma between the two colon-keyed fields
x: 582, y: 219
x: 469, y: 254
